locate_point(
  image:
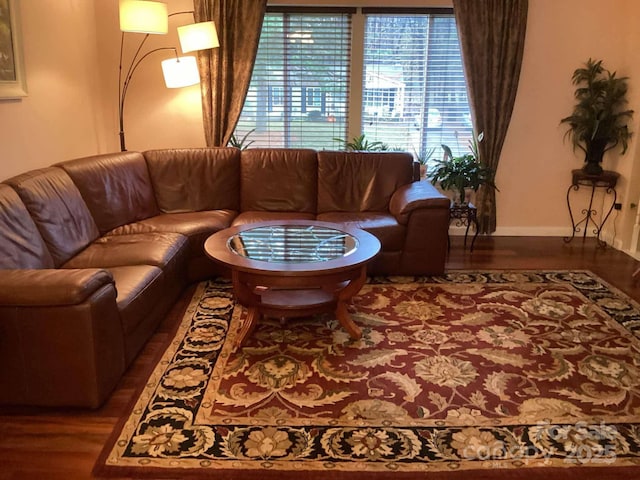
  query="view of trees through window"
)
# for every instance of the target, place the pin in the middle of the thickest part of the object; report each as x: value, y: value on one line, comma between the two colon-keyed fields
x: 411, y: 93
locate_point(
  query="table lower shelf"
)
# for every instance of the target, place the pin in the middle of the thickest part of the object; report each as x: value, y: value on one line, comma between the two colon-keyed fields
x: 283, y: 297
x: 295, y: 302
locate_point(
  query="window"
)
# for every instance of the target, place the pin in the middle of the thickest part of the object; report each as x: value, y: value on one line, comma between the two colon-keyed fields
x: 276, y: 99
x: 411, y: 92
x: 312, y: 100
x: 299, y: 90
x: 414, y: 91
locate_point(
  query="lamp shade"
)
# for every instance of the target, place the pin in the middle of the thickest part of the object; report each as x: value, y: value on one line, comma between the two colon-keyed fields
x: 143, y: 16
x: 198, y: 36
x: 180, y: 72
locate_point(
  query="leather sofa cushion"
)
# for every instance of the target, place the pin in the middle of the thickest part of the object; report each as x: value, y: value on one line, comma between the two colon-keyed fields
x: 359, y: 181
x: 119, y: 180
x: 157, y: 249
x: 21, y: 245
x: 278, y: 180
x: 188, y: 223
x: 383, y: 225
x: 195, y: 179
x: 58, y: 210
x: 196, y: 226
x: 253, y: 216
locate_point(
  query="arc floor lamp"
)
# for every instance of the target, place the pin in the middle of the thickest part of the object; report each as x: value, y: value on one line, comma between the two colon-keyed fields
x: 151, y: 18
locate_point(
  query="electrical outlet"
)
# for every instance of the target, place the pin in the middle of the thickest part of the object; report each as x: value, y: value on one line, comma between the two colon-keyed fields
x: 617, y: 206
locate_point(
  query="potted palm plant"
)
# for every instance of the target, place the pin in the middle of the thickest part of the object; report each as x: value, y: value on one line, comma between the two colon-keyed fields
x: 462, y: 173
x: 599, y: 119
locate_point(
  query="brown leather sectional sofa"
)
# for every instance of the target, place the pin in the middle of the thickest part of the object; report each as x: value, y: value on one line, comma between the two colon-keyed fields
x: 95, y: 251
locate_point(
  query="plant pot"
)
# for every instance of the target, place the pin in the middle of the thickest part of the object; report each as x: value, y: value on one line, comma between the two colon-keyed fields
x: 594, y: 155
x: 461, y: 197
x: 592, y: 168
x: 423, y: 171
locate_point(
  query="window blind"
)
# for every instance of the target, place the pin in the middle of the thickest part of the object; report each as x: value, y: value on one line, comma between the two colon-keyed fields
x: 299, y: 91
x: 414, y: 90
x: 412, y: 86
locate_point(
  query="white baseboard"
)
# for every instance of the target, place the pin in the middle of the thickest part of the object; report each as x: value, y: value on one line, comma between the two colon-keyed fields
x: 545, y: 232
x: 520, y: 231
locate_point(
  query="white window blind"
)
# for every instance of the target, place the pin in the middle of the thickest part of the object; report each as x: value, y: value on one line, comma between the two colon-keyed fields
x: 299, y: 90
x: 414, y: 91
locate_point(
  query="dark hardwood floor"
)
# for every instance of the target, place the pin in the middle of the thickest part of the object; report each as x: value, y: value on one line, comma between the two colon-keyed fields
x: 65, y: 443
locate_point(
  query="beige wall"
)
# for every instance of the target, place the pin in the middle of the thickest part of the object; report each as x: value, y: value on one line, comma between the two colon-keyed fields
x: 60, y: 118
x: 155, y: 117
x: 72, y: 105
x: 535, y: 168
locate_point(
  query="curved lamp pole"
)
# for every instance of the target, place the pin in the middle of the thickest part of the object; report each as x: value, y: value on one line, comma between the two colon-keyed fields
x: 183, y: 72
x: 123, y: 86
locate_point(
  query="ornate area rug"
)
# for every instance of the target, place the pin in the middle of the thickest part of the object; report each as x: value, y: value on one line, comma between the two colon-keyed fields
x: 473, y: 374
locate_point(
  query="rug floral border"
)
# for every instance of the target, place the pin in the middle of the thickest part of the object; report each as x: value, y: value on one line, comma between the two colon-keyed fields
x: 164, y: 418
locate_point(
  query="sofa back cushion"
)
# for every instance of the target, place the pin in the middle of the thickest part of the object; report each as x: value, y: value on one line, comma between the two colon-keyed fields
x: 117, y: 180
x: 195, y: 179
x: 361, y: 181
x: 58, y: 210
x: 21, y: 245
x: 279, y: 180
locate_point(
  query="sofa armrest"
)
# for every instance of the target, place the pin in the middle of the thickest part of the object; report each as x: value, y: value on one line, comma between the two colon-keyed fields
x: 61, y: 337
x: 414, y: 196
x: 425, y: 213
x: 50, y: 287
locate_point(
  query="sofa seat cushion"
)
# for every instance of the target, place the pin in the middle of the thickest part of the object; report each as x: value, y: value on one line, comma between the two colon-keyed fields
x: 188, y: 224
x: 383, y: 225
x: 196, y: 226
x: 259, y: 216
x: 139, y: 288
x: 156, y: 249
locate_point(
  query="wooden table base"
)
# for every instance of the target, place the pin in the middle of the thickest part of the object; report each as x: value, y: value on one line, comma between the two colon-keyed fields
x: 285, y: 297
x: 294, y: 268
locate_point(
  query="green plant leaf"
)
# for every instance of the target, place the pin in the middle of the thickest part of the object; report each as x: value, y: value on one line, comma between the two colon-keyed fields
x: 361, y: 144
x: 599, y: 118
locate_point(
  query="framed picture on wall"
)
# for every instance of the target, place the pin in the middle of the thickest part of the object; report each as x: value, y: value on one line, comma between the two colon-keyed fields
x: 12, y: 77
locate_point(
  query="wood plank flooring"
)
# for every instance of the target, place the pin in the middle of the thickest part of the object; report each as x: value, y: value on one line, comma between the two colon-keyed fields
x: 64, y: 444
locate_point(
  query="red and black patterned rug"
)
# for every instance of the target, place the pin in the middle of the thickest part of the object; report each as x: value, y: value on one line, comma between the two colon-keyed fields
x: 505, y: 374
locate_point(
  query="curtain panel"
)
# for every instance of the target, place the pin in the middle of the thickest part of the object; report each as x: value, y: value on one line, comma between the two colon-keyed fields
x: 226, y: 71
x: 492, y: 35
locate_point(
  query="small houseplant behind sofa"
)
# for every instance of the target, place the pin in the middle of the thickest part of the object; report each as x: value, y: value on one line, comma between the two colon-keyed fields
x: 95, y: 251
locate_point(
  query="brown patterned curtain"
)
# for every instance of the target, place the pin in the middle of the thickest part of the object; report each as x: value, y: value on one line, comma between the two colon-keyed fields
x: 492, y: 34
x: 226, y: 71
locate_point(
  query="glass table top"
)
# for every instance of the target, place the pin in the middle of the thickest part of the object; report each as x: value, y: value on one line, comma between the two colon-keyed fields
x: 292, y: 243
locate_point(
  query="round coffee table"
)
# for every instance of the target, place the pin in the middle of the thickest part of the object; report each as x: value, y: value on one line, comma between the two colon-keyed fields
x: 294, y: 268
